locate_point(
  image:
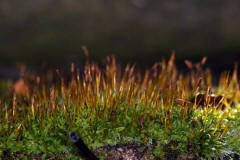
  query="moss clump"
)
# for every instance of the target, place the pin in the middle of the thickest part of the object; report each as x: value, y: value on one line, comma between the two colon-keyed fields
x: 110, y: 106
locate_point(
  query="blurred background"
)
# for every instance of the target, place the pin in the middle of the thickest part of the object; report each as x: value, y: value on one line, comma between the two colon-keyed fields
x: 52, y: 32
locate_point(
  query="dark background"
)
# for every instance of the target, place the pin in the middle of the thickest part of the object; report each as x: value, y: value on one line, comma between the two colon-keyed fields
x: 51, y: 32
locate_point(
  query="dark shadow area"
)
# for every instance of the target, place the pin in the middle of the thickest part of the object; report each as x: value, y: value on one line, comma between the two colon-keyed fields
x: 51, y: 33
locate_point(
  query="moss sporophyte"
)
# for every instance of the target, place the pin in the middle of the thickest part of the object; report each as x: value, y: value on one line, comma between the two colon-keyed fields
x: 182, y: 113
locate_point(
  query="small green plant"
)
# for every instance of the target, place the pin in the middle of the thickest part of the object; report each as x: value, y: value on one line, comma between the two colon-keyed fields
x: 109, y: 106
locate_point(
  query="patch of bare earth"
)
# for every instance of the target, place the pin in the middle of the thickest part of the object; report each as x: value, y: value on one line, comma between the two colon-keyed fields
x: 127, y: 152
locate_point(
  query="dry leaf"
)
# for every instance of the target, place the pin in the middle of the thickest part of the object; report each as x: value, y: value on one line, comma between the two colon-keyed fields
x: 20, y: 88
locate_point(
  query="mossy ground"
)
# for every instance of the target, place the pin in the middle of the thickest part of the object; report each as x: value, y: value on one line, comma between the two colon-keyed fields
x: 111, y: 106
